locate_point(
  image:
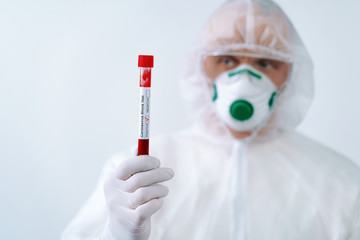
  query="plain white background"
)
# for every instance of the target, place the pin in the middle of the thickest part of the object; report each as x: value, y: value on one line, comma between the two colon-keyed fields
x: 69, y: 92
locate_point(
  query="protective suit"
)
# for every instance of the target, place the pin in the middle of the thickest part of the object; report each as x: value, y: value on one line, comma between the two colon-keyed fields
x: 272, y: 184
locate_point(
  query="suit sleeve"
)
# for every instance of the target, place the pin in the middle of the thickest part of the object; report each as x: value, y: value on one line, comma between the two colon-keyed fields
x: 355, y: 231
x: 91, y: 218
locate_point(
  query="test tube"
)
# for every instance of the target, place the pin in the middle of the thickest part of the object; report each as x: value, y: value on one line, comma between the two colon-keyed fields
x: 145, y: 63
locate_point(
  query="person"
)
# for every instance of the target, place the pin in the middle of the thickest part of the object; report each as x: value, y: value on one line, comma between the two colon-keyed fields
x: 241, y: 171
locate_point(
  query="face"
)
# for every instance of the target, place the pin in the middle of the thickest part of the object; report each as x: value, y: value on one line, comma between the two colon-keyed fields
x: 278, y: 71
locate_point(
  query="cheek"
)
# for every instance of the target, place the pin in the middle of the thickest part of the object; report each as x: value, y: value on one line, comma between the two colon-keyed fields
x: 278, y: 77
x: 278, y: 80
x: 210, y: 72
x: 208, y: 69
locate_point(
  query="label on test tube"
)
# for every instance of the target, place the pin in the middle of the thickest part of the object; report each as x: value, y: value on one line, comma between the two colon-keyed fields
x: 144, y: 112
x: 146, y: 63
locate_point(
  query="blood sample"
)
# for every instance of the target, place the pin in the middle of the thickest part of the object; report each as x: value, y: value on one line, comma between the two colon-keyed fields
x: 145, y: 63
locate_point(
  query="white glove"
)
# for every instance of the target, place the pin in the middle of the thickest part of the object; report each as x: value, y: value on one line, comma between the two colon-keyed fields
x: 132, y: 196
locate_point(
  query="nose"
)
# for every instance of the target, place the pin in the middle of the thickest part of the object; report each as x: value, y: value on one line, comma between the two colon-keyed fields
x: 245, y: 70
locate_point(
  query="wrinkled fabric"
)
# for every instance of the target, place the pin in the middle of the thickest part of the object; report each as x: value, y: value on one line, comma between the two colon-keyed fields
x: 300, y: 190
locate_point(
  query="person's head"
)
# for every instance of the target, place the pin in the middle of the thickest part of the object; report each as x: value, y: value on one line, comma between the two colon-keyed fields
x: 243, y: 32
x: 249, y: 50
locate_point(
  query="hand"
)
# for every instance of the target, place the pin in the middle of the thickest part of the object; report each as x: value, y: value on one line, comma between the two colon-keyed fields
x: 132, y: 196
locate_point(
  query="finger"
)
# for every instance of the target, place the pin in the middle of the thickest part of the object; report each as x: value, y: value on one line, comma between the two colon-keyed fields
x: 144, y: 212
x: 114, y: 192
x: 143, y: 179
x: 136, y: 164
x: 145, y: 194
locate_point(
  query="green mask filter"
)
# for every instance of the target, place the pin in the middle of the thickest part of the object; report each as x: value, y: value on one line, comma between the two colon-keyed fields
x: 241, y: 110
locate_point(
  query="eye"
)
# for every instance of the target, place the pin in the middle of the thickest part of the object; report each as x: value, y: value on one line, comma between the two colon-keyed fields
x: 228, y: 61
x: 264, y: 63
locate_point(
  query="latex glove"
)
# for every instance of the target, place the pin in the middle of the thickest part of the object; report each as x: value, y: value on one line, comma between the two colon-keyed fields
x: 132, y: 195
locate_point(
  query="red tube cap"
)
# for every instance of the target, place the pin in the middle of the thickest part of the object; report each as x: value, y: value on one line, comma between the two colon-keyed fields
x: 146, y: 61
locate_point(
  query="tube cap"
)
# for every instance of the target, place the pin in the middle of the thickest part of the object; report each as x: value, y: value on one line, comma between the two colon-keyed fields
x: 146, y: 61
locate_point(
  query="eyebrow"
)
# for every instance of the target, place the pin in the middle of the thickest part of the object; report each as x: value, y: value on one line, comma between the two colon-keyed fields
x: 220, y: 57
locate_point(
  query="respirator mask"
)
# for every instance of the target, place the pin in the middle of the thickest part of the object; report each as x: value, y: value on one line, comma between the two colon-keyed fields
x: 244, y: 97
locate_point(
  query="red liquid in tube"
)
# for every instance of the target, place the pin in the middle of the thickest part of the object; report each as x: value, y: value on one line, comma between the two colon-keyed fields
x: 146, y: 62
